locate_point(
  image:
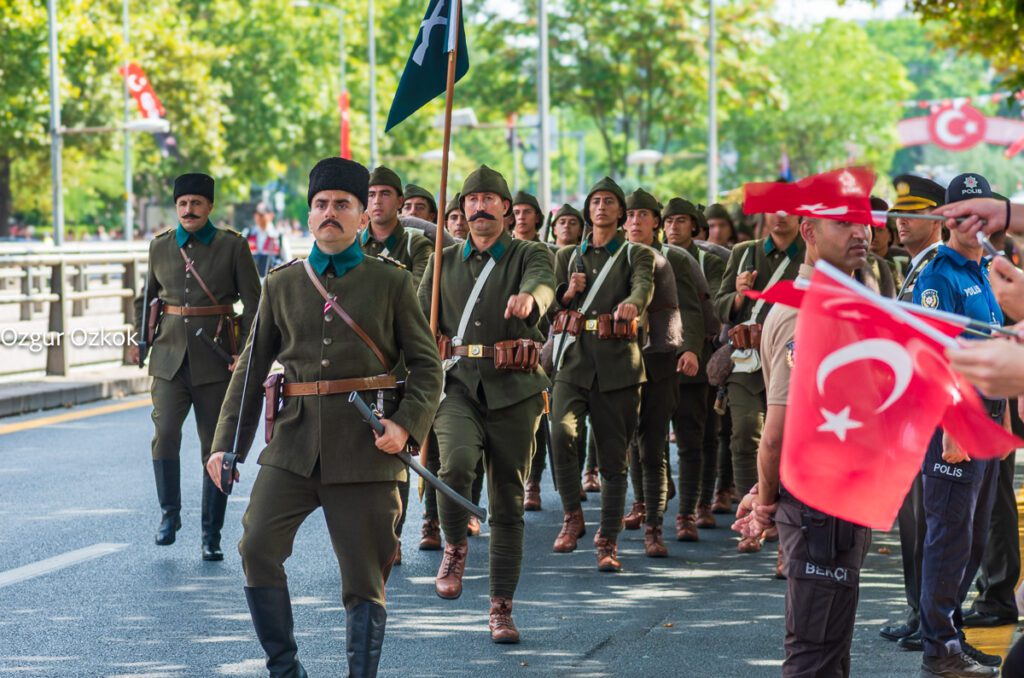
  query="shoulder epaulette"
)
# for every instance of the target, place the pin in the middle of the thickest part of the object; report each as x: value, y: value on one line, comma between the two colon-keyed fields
x: 284, y: 265
x: 164, y: 233
x: 394, y: 262
x: 233, y: 232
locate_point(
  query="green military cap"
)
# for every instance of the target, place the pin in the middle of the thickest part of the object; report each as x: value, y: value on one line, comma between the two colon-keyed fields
x: 453, y: 204
x: 524, y: 198
x: 568, y: 210
x: 917, y: 193
x: 677, y: 206
x: 607, y: 184
x: 486, y: 180
x: 642, y: 200
x: 414, y: 191
x: 385, y: 176
x: 717, y: 211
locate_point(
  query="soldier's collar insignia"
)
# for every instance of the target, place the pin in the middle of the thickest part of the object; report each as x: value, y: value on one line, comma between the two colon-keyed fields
x: 203, y: 235
x: 342, y: 262
x: 497, y: 250
x: 390, y: 242
x: 613, y: 245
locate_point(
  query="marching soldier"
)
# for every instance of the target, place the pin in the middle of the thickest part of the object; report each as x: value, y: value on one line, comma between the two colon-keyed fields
x: 721, y: 229
x: 386, y: 236
x: 665, y: 354
x: 821, y: 603
x: 196, y: 274
x: 455, y: 220
x: 754, y: 265
x: 494, y: 291
x: 528, y: 217
x: 338, y: 322
x: 604, y: 285
x: 695, y: 421
x: 568, y: 226
x: 419, y: 203
x: 921, y: 238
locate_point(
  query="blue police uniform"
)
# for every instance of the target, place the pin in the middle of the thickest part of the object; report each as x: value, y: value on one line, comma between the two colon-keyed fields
x: 958, y: 498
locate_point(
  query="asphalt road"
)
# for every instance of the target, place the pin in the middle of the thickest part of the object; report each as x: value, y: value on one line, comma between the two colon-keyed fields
x: 85, y: 592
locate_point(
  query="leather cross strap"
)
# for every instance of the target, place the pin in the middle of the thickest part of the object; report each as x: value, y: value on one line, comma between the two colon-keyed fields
x: 170, y: 309
x: 335, y: 386
x: 190, y: 267
x: 333, y: 302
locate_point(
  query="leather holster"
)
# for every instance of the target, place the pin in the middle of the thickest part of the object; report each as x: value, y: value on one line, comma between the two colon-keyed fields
x: 272, y: 386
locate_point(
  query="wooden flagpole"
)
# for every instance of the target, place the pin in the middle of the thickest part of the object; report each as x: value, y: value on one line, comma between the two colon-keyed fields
x: 449, y: 96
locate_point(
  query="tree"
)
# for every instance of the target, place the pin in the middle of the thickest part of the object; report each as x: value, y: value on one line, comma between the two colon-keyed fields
x: 991, y: 29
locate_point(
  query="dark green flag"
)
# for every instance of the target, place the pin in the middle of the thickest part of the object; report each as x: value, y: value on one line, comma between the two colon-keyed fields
x: 426, y: 72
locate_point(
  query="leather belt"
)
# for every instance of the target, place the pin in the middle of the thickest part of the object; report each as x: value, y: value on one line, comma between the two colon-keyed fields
x: 223, y: 309
x: 473, y: 351
x: 335, y: 386
x: 590, y: 325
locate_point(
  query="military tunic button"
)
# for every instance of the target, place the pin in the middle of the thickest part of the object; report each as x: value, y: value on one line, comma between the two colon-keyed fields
x: 186, y: 290
x: 190, y: 245
x: 327, y: 341
x: 593, y: 271
x: 328, y: 318
x: 187, y: 276
x: 479, y: 258
x: 330, y: 276
x: 325, y: 363
x: 476, y: 323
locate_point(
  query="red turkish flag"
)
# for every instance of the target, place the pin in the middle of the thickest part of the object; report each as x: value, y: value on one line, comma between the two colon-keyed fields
x: 142, y: 91
x: 865, y: 398
x: 842, y: 195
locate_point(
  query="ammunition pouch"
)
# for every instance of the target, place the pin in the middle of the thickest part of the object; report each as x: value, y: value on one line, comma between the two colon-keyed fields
x: 746, y: 336
x: 610, y: 328
x: 568, y: 322
x: 444, y: 346
x: 517, y: 355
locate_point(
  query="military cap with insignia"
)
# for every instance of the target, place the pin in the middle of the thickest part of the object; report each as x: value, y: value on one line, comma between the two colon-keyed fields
x: 678, y: 206
x: 486, y: 180
x: 607, y: 184
x: 917, y: 193
x: 385, y: 176
x: 524, y: 198
x: 967, y: 186
x: 339, y: 174
x: 414, y: 191
x: 194, y: 183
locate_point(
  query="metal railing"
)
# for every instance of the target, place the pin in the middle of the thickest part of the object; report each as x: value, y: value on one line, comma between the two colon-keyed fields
x: 66, y: 282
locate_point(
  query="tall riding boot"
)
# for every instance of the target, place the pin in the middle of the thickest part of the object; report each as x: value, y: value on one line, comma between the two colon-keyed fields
x: 168, y: 491
x: 271, y: 611
x: 365, y: 625
x: 214, y: 504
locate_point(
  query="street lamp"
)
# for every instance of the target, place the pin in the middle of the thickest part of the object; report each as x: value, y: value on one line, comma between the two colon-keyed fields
x: 461, y: 117
x: 645, y: 156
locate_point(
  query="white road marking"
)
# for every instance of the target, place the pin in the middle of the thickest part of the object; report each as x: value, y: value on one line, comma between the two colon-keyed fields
x: 37, y: 569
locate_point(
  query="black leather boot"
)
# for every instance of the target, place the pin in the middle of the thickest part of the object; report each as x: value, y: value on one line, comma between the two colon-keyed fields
x: 168, y: 491
x: 214, y: 504
x: 365, y: 624
x: 271, y: 610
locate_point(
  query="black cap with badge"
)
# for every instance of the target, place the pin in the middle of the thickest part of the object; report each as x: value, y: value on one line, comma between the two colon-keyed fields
x: 917, y: 193
x: 966, y: 186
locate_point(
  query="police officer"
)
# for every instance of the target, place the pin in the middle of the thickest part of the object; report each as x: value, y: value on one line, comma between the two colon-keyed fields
x: 338, y: 322
x: 197, y: 273
x: 754, y: 265
x: 494, y: 291
x: 665, y: 354
x: 604, y: 285
x: 921, y: 238
x: 822, y: 589
x: 419, y: 203
x: 695, y: 420
x: 958, y: 492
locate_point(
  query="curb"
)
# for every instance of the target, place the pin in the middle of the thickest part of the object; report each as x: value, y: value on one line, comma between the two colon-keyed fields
x: 29, y: 397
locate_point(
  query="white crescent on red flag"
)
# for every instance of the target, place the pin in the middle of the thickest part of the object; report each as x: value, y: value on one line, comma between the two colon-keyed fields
x: 142, y: 91
x: 865, y: 398
x: 842, y: 195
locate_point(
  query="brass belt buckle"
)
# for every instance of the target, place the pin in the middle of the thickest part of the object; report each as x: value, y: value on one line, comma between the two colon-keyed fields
x: 590, y: 325
x: 475, y: 350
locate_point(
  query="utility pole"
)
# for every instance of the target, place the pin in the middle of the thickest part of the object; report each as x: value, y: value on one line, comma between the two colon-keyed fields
x: 372, y: 40
x: 56, y: 142
x: 129, y: 217
x: 543, y: 104
x: 712, y: 112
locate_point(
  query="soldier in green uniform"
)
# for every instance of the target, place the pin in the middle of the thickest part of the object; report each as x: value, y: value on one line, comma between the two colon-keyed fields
x: 664, y: 356
x: 320, y: 453
x: 455, y: 220
x: 568, y: 226
x: 494, y: 291
x: 753, y: 265
x: 528, y: 217
x: 695, y: 420
x: 419, y: 203
x: 197, y: 273
x: 385, y: 236
x: 604, y: 286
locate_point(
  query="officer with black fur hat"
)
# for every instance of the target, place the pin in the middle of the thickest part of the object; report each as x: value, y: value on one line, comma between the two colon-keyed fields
x: 196, y: 275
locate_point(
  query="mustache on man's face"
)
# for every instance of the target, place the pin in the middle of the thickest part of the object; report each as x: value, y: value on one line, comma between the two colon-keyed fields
x: 482, y: 214
x: 329, y: 222
x: 190, y: 216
